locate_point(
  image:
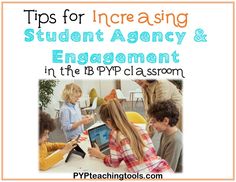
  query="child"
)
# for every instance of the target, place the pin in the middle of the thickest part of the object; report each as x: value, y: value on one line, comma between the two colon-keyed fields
x: 160, y: 90
x: 70, y: 117
x: 164, y: 117
x: 127, y: 142
x: 46, y: 125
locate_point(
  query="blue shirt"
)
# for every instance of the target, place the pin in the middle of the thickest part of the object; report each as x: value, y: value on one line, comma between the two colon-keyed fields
x: 70, y: 113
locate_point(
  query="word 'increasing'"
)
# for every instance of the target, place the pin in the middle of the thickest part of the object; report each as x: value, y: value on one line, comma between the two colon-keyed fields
x: 179, y: 20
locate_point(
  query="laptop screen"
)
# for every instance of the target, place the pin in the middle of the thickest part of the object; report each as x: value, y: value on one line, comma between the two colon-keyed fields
x: 100, y: 136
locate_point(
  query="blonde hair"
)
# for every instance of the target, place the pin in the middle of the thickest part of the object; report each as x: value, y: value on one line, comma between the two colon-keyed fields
x: 70, y: 91
x: 113, y: 111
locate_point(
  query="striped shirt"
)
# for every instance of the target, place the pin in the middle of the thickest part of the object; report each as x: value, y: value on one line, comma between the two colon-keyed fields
x: 120, y: 151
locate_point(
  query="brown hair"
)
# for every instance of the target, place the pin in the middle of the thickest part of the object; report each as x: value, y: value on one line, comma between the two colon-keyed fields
x: 150, y: 81
x: 45, y: 123
x: 160, y: 110
x: 113, y: 111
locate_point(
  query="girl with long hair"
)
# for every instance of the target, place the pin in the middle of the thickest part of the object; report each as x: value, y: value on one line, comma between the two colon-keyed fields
x: 127, y: 142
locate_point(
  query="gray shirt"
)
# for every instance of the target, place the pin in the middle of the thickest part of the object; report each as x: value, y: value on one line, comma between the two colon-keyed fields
x: 171, y: 147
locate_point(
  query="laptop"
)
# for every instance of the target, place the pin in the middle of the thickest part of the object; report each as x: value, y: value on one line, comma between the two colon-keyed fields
x: 100, y: 136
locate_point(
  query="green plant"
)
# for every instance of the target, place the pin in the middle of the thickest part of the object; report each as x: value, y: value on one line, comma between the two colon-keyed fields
x: 46, y: 91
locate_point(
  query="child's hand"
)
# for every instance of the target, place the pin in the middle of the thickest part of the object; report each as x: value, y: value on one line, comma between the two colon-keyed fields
x: 95, y: 152
x: 69, y: 146
x: 150, y: 130
x: 87, y: 119
x: 87, y: 116
x: 75, y: 140
x: 91, y: 117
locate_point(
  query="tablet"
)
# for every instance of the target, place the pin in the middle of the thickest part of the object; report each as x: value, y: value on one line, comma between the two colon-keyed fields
x: 77, y: 150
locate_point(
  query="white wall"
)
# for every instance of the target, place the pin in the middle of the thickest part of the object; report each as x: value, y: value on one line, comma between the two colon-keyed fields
x: 103, y: 88
x: 128, y: 85
x: 107, y: 86
x: 56, y: 97
x: 87, y: 85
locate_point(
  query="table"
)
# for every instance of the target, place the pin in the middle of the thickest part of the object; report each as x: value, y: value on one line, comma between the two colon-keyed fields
x: 131, y: 95
x: 88, y: 164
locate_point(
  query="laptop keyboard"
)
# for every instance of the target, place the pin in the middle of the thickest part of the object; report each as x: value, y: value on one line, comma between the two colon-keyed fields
x: 106, y: 151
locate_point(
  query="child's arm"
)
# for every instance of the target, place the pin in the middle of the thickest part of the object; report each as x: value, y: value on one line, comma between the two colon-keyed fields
x: 65, y: 120
x: 47, y: 161
x: 95, y: 151
x: 83, y: 121
x: 172, y: 154
x: 54, y: 146
x: 115, y: 158
x: 66, y: 123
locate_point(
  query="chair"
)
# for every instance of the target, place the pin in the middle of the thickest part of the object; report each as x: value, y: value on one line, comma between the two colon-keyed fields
x: 84, y: 101
x: 93, y: 107
x: 138, y: 95
x: 57, y: 109
x: 135, y: 117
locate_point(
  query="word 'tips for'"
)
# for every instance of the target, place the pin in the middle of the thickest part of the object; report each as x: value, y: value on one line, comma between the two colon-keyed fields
x: 44, y: 18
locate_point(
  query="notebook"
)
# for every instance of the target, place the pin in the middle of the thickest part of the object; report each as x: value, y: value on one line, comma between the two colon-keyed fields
x: 100, y: 136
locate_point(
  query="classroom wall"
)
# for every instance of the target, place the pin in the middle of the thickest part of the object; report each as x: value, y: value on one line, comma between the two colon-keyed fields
x: 51, y: 109
x: 103, y: 88
x: 128, y: 85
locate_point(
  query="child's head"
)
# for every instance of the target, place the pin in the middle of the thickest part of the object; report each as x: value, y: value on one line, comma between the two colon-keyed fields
x: 46, y: 125
x: 71, y: 93
x: 114, y: 116
x: 163, y: 114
